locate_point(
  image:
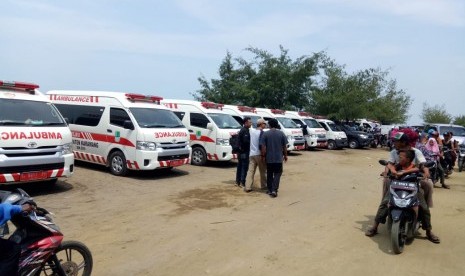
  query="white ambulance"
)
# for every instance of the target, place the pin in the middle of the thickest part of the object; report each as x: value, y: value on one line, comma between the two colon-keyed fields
x: 35, y: 141
x: 123, y: 131
x: 336, y: 136
x: 241, y: 111
x: 292, y: 131
x: 210, y: 129
x: 314, y: 133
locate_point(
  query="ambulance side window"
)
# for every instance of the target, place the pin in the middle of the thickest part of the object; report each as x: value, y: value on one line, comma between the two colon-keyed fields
x: 118, y: 116
x: 81, y: 114
x: 180, y: 114
x: 199, y: 120
x: 324, y: 126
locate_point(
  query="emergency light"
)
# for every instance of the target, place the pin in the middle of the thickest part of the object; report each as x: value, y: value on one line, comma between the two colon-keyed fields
x: 140, y: 97
x: 244, y: 108
x: 212, y: 105
x: 305, y: 114
x: 29, y: 87
x: 278, y: 111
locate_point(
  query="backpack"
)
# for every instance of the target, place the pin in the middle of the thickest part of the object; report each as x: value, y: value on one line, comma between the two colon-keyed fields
x: 234, y: 142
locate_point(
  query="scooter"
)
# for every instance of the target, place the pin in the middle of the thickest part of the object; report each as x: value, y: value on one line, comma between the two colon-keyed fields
x: 402, y: 219
x: 43, y: 251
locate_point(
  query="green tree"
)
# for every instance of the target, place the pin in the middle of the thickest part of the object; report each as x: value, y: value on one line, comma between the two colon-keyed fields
x: 364, y: 94
x: 266, y: 81
x: 460, y: 120
x: 435, y: 114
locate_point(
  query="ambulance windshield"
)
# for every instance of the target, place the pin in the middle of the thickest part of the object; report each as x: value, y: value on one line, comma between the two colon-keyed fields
x: 224, y: 121
x: 156, y: 118
x: 286, y: 122
x: 15, y: 112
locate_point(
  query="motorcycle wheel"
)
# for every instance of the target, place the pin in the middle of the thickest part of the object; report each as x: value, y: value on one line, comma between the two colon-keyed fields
x: 398, y: 236
x: 74, y: 258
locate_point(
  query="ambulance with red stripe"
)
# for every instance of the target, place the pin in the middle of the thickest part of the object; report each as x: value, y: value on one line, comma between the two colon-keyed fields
x: 123, y: 131
x: 241, y: 111
x: 293, y: 132
x: 209, y: 127
x: 35, y: 141
x: 314, y: 133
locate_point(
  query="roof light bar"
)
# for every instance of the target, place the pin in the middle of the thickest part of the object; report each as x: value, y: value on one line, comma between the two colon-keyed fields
x: 18, y: 85
x: 278, y: 111
x: 305, y: 114
x: 212, y: 105
x: 139, y: 97
x: 244, y: 108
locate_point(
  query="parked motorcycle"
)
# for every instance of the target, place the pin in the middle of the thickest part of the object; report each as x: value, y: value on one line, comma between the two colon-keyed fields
x: 461, y: 157
x: 402, y: 219
x: 43, y: 251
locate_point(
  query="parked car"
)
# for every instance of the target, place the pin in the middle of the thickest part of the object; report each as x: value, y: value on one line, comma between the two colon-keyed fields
x: 356, y: 138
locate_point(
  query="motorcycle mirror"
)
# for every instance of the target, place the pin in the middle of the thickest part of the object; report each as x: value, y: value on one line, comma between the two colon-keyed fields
x: 383, y: 162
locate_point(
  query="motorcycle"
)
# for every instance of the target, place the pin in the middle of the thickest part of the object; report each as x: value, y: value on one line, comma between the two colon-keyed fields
x: 434, y: 171
x: 403, y: 222
x: 43, y: 251
x: 461, y: 157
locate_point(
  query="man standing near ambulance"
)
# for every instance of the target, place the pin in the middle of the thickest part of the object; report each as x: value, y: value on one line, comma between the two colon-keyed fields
x: 255, y: 157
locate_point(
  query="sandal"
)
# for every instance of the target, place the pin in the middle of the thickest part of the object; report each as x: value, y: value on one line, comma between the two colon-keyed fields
x: 433, y: 238
x: 371, y: 232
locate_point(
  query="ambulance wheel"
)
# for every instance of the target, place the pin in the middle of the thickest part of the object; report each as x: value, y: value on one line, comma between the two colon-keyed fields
x: 199, y: 156
x: 118, y: 164
x: 332, y: 145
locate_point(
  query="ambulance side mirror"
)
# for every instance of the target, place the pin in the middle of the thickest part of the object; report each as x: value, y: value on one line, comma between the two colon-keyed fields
x: 210, y: 126
x: 128, y: 125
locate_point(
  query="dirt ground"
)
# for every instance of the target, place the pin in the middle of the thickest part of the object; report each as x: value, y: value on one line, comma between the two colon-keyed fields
x: 194, y: 221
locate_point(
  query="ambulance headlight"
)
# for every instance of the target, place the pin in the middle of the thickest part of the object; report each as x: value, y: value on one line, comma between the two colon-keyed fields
x: 222, y: 142
x: 143, y: 145
x: 67, y: 149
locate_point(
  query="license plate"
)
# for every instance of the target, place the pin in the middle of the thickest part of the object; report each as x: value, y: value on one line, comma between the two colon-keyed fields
x: 175, y: 163
x: 301, y: 147
x: 322, y: 144
x: 30, y: 176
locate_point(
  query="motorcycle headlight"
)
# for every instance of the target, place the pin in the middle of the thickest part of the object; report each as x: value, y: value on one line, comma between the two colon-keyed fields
x: 222, y: 142
x: 67, y: 149
x: 144, y: 145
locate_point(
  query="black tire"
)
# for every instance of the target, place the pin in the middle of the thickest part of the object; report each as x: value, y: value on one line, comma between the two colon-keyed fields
x: 398, y: 236
x: 199, y: 156
x: 117, y: 163
x: 332, y: 145
x: 353, y: 144
x: 74, y: 257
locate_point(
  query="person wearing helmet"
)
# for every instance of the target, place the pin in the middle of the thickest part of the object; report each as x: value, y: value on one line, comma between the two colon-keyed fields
x: 403, y: 142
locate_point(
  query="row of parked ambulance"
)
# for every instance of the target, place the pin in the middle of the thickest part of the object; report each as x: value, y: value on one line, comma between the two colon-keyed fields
x: 42, y: 134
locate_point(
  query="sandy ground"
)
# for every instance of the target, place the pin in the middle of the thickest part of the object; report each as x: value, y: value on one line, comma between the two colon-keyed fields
x: 194, y: 221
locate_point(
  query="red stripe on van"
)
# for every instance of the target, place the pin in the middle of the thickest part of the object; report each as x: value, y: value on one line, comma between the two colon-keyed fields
x: 202, y: 138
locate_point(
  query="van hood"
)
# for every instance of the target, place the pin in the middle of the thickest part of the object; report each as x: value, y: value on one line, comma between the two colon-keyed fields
x: 165, y: 135
x: 34, y: 137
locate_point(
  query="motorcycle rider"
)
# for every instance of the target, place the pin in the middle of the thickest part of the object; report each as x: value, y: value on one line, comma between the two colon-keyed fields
x: 10, y: 251
x: 402, y: 142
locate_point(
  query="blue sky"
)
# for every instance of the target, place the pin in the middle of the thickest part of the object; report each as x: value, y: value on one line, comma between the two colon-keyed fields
x: 162, y: 47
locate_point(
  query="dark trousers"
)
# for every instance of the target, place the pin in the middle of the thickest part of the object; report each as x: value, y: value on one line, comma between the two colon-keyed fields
x: 273, y: 176
x: 242, y: 168
x: 9, y: 257
x: 425, y: 214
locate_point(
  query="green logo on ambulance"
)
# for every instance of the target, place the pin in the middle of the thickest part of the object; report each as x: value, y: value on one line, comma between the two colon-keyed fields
x: 198, y: 134
x: 117, y: 136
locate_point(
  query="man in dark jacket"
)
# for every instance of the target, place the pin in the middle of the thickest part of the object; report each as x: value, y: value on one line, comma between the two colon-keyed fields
x: 243, y: 154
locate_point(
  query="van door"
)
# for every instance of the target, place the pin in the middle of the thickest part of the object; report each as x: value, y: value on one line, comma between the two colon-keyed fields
x: 122, y: 133
x: 200, y: 135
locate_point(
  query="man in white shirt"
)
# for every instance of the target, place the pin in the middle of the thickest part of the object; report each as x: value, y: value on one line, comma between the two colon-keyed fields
x: 255, y: 157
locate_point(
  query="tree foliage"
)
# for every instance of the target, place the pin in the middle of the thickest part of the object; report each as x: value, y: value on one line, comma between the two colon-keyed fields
x: 364, y: 94
x: 315, y: 83
x: 460, y: 120
x: 435, y: 114
x: 265, y: 81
